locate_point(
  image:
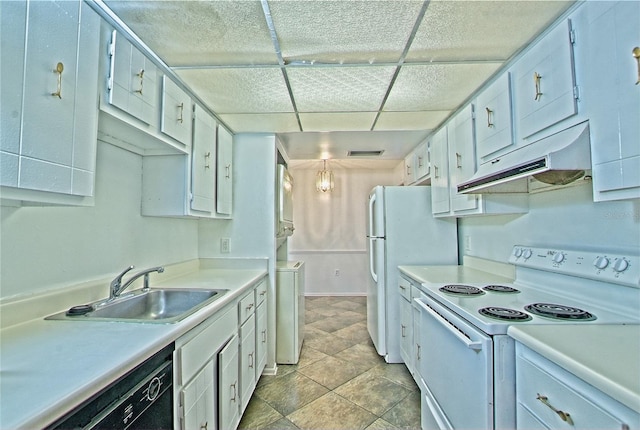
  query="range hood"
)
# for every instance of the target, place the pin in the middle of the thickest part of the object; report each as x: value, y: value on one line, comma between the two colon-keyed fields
x: 558, y: 159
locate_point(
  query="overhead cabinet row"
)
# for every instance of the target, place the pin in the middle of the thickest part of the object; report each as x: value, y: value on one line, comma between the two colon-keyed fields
x: 70, y: 79
x: 581, y: 73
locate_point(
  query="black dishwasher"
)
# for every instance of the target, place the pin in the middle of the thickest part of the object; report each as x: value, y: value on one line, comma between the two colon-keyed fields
x: 141, y: 399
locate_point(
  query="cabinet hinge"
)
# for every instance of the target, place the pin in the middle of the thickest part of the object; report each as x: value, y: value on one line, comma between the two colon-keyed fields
x: 576, y: 92
x: 190, y: 197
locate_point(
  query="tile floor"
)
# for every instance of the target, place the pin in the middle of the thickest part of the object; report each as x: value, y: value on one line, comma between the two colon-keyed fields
x: 340, y: 382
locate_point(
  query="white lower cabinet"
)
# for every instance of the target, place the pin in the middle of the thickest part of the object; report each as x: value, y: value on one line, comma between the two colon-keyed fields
x: 198, y: 398
x: 229, y: 385
x: 549, y: 396
x: 406, y: 324
x: 218, y: 363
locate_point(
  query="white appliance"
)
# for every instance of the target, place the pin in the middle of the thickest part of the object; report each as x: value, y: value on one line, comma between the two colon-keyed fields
x: 289, y: 311
x: 400, y: 231
x: 469, y: 378
x: 285, y: 202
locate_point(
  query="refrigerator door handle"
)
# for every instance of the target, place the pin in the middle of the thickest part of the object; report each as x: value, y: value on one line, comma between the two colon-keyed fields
x: 372, y: 200
x: 374, y: 275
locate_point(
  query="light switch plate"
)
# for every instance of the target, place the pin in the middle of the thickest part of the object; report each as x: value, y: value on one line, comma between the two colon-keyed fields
x: 224, y: 245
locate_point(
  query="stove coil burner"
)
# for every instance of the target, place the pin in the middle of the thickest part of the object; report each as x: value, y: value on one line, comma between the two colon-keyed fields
x: 504, y: 314
x: 560, y: 312
x: 501, y: 289
x: 461, y: 290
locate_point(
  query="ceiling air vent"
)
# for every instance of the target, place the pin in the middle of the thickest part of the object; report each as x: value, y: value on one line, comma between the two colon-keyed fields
x: 374, y: 153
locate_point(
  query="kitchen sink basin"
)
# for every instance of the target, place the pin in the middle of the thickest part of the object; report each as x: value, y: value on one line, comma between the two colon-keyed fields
x: 165, y: 305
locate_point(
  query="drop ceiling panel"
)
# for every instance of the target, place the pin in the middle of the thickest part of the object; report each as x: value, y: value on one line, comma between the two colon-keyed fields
x: 337, y: 121
x: 343, y: 31
x: 437, y: 87
x: 339, y: 89
x: 261, y: 123
x: 480, y: 30
x: 189, y: 33
x: 255, y: 90
x: 427, y: 120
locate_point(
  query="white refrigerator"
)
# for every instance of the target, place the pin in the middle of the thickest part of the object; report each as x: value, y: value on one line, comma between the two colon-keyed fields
x: 401, y: 230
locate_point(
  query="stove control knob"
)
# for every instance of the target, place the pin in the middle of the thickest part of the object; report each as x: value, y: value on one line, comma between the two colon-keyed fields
x: 601, y: 262
x: 517, y: 252
x: 620, y: 265
x: 527, y: 253
x: 558, y: 257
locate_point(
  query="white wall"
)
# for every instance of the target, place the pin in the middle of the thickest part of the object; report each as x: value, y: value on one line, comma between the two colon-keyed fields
x: 46, y: 247
x: 330, y: 228
x: 565, y: 218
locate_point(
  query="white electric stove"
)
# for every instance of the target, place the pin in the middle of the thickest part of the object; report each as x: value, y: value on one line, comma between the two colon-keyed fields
x: 468, y: 364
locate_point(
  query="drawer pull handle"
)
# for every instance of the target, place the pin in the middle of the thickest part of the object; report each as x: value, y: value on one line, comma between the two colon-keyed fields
x: 141, y: 76
x: 418, y: 351
x: 458, y: 160
x: 181, y: 107
x: 204, y: 426
x: 262, y: 293
x: 536, y: 80
x: 636, y: 55
x: 233, y: 398
x: 563, y: 415
x: 402, y: 287
x: 264, y: 336
x: 403, y: 334
x: 250, y: 307
x: 251, y: 361
x: 489, y: 118
x: 59, y: 69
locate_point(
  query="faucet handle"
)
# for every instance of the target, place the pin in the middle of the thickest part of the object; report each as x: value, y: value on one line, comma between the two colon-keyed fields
x: 118, y: 279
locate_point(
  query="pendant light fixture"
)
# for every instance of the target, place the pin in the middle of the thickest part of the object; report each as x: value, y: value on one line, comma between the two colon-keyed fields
x: 324, y: 179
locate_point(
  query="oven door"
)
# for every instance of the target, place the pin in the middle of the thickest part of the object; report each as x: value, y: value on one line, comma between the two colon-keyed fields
x: 457, y: 368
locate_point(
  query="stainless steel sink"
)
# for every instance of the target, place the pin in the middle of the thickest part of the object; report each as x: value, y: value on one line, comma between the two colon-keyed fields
x: 164, y: 305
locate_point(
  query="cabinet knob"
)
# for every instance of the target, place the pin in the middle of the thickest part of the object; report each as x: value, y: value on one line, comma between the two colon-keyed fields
x: 636, y: 55
x: 59, y: 69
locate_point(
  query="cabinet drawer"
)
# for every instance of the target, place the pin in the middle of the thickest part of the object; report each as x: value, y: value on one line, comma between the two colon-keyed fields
x: 404, y: 287
x: 246, y: 307
x: 261, y: 293
x: 559, y: 399
x: 197, y: 351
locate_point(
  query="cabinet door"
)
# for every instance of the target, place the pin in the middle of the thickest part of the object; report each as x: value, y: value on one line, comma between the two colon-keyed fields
x: 440, y: 174
x: 261, y: 339
x: 544, y: 82
x: 462, y: 163
x: 52, y: 141
x: 494, y: 131
x: 198, y: 400
x: 613, y: 98
x: 422, y: 162
x: 410, y: 169
x: 203, y: 162
x: 133, y: 85
x: 406, y: 333
x: 228, y: 386
x: 224, y: 183
x: 247, y: 361
x: 176, y: 112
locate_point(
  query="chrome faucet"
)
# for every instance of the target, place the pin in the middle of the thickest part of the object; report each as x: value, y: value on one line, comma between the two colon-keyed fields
x: 117, y: 287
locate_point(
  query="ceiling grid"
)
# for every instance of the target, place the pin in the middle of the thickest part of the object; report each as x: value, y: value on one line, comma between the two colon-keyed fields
x: 336, y: 73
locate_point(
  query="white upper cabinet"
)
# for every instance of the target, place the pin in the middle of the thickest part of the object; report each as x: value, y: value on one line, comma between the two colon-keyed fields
x: 544, y: 81
x: 49, y: 115
x: 494, y: 125
x: 176, y: 112
x: 611, y: 72
x: 224, y: 184
x: 409, y: 174
x: 133, y: 80
x: 462, y: 163
x: 203, y: 162
x: 440, y: 199
x: 423, y: 161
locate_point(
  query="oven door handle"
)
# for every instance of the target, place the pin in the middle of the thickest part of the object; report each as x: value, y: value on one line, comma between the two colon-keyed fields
x: 476, y: 346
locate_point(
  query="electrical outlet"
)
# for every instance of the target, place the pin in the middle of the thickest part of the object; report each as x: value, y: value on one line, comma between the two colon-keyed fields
x: 224, y: 245
x: 337, y: 272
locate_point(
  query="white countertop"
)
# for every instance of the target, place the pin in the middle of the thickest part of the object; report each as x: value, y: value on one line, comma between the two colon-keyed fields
x: 48, y: 367
x: 451, y: 274
x: 605, y: 356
